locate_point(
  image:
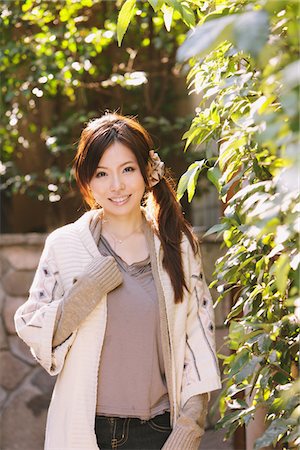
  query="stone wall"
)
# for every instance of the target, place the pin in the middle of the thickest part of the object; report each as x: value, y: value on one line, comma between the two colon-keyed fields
x: 25, y: 388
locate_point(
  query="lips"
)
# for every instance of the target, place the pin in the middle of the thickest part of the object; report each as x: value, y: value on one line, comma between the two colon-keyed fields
x: 120, y: 200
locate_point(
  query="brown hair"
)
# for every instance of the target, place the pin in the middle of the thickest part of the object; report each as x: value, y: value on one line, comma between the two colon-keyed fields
x: 98, y: 135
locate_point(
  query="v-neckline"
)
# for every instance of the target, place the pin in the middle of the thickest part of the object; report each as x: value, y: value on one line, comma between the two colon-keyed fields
x: 143, y: 262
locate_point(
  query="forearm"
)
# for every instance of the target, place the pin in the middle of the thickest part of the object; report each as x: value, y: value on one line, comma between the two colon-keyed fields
x: 190, y: 425
x: 101, y: 277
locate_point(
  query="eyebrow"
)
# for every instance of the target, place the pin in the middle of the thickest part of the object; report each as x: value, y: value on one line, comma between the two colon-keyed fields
x: 121, y: 165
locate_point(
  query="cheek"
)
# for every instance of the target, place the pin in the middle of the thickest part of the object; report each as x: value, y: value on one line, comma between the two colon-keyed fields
x: 97, y: 185
x: 139, y: 180
x: 140, y: 184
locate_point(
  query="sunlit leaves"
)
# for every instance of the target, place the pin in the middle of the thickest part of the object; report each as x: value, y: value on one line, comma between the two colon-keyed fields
x: 229, y: 150
x: 214, y: 175
x: 246, y: 126
x: 168, y: 15
x: 254, y: 171
x: 257, y: 25
x: 124, y: 18
x: 156, y: 4
x: 277, y: 428
x: 188, y: 181
x: 170, y: 10
x: 203, y: 126
x: 227, y: 28
x: 206, y: 37
x: 282, y: 271
x: 290, y: 75
x: 218, y: 228
x: 63, y: 60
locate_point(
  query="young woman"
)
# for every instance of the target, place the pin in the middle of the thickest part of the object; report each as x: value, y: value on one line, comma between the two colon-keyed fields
x: 119, y: 308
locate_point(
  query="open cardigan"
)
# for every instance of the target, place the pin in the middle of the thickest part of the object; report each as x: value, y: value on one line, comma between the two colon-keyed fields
x: 187, y: 331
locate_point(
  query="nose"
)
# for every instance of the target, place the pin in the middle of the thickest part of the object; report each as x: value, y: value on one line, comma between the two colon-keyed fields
x: 117, y: 183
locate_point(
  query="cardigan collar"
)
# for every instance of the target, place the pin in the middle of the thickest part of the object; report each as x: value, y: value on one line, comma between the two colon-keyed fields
x: 89, y: 229
x: 83, y: 228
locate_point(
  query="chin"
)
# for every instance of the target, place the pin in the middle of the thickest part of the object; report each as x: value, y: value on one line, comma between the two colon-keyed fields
x: 122, y: 210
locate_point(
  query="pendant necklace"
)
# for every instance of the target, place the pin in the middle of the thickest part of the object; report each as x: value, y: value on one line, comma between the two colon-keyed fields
x: 120, y: 241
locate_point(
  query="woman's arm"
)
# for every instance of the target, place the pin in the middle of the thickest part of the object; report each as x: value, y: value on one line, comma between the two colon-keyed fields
x: 100, y: 277
x: 47, y: 313
x: 201, y: 370
x: 190, y: 425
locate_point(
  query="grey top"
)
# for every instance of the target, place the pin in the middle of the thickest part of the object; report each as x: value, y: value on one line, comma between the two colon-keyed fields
x: 131, y: 373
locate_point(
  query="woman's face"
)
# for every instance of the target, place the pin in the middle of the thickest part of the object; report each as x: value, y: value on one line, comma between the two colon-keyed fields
x: 118, y: 185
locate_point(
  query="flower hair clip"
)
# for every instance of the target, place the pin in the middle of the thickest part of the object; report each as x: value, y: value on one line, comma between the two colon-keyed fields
x: 156, y: 168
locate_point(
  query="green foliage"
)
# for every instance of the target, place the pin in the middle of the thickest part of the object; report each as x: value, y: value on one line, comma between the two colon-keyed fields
x: 60, y: 66
x: 189, y: 180
x: 170, y: 10
x: 244, y: 65
x: 124, y: 18
x: 228, y: 28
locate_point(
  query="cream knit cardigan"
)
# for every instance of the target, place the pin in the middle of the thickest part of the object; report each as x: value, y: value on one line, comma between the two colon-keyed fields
x: 71, y: 415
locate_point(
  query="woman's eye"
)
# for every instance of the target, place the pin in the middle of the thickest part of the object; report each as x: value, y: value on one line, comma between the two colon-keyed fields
x: 129, y: 169
x: 100, y: 174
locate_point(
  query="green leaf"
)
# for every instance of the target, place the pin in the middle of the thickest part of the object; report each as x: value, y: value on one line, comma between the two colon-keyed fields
x: 277, y: 427
x: 188, y: 16
x: 188, y: 179
x: 236, y: 333
x: 191, y: 187
x: 229, y: 149
x: 239, y: 361
x: 234, y: 416
x: 251, y: 31
x: 264, y: 343
x: 206, y: 37
x: 265, y: 185
x: 214, y: 174
x: 216, y: 228
x: 237, y: 403
x: 249, y: 369
x: 156, y: 4
x: 236, y: 309
x: 26, y: 6
x: 168, y: 15
x: 124, y: 18
x: 190, y: 135
x: 282, y: 268
x: 290, y: 75
x: 248, y: 31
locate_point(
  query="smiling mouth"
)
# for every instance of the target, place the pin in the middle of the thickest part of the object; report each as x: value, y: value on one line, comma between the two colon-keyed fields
x: 120, y: 200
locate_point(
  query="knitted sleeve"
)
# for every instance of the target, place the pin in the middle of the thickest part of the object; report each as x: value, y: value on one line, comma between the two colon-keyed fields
x: 51, y: 313
x: 190, y: 425
x: 100, y: 277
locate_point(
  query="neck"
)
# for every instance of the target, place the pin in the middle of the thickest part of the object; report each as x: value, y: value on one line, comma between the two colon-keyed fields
x: 122, y: 226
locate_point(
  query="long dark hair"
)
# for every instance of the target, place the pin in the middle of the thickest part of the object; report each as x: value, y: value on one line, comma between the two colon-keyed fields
x: 98, y: 135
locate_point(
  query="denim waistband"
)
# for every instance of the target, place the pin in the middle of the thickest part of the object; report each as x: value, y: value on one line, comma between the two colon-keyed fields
x: 164, y: 415
x: 132, y: 433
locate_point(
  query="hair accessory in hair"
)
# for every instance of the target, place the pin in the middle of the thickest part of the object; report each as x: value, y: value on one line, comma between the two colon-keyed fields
x: 156, y: 168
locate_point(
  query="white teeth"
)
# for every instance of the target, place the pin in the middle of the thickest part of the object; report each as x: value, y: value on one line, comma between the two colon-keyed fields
x: 120, y: 199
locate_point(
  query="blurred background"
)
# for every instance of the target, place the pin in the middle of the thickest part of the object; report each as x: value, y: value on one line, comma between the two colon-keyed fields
x: 223, y: 74
x: 62, y: 66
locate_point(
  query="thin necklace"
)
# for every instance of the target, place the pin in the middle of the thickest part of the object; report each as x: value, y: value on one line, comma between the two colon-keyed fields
x: 120, y: 241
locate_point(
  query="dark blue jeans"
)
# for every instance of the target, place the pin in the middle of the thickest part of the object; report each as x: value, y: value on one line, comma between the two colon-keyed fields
x: 131, y: 433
